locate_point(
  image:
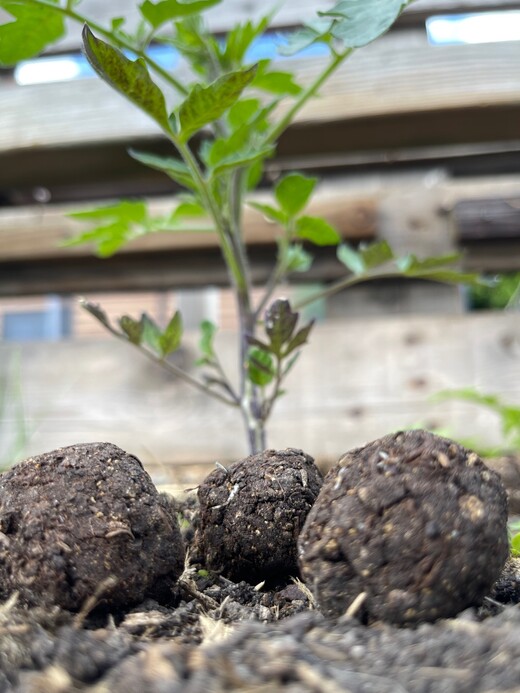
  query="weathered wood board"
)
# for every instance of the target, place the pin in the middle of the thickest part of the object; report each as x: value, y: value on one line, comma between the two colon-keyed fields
x: 356, y: 380
x: 376, y: 81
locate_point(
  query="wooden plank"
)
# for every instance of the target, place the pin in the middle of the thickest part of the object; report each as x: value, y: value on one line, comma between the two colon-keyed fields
x: 487, y: 219
x: 37, y: 232
x: 379, y: 376
x: 376, y: 82
x: 405, y: 209
x: 290, y: 13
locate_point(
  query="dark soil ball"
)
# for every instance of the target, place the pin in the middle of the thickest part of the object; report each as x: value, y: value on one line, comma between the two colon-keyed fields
x: 82, y: 521
x: 414, y: 521
x: 251, y: 514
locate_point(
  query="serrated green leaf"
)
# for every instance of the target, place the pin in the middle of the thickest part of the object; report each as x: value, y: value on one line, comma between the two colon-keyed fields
x: 315, y: 32
x: 240, y: 159
x: 358, y: 22
x: 446, y: 276
x: 170, y: 339
x: 174, y: 168
x: 351, y: 258
x: 299, y: 339
x: 270, y: 212
x: 133, y: 329
x: 280, y: 321
x: 293, y: 191
x: 34, y: 27
x: 188, y: 208
x: 129, y: 77
x: 411, y: 262
x: 242, y: 112
x: 376, y: 254
x: 166, y: 10
x: 260, y: 368
x: 254, y: 341
x: 297, y: 259
x: 317, y: 230
x: 239, y: 39
x: 280, y: 83
x: 108, y: 238
x: 206, y: 104
x: 125, y: 210
x: 151, y: 333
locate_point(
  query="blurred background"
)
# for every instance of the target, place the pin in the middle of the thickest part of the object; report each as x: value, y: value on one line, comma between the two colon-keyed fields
x: 416, y: 139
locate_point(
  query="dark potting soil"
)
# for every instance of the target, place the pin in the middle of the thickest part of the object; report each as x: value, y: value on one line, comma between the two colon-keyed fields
x: 215, y: 635
x: 210, y: 633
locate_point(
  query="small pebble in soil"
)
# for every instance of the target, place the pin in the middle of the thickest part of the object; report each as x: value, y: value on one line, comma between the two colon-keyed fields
x: 85, y: 522
x: 251, y: 514
x: 412, y: 526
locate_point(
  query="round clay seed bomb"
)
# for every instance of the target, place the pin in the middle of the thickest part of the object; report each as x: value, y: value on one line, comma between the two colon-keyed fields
x: 414, y: 522
x: 85, y: 521
x: 252, y: 513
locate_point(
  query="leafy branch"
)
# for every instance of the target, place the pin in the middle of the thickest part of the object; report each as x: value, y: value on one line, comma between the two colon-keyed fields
x: 222, y: 129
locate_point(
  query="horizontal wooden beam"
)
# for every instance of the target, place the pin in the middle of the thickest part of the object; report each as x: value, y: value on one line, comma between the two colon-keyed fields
x: 376, y: 83
x: 489, y: 219
x: 415, y: 213
x: 36, y: 233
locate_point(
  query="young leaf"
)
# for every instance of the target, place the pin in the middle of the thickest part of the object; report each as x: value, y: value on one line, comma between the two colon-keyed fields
x: 151, y: 333
x: 515, y: 545
x: 299, y: 339
x: 124, y: 211
x: 260, y: 368
x: 376, y: 254
x: 97, y: 312
x: 293, y: 192
x: 317, y: 230
x: 270, y: 212
x: 434, y: 269
x: 206, y: 104
x: 315, y: 32
x: 108, y: 238
x: 358, y: 22
x: 239, y: 39
x: 133, y: 329
x: 33, y: 29
x: 166, y: 10
x: 411, y: 263
x: 240, y: 160
x: 188, y: 208
x: 175, y: 168
x: 242, y: 112
x: 280, y: 322
x: 351, y: 258
x: 170, y: 339
x: 280, y: 83
x: 208, y: 330
x: 128, y: 77
x: 119, y: 223
x: 297, y: 259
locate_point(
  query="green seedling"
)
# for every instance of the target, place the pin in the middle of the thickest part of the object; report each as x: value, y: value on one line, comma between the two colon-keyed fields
x: 223, y: 123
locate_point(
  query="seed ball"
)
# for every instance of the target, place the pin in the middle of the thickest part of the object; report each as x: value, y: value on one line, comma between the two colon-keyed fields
x: 252, y: 513
x: 414, y: 522
x: 85, y: 521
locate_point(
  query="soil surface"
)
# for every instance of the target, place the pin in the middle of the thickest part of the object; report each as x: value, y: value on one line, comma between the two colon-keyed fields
x: 212, y: 634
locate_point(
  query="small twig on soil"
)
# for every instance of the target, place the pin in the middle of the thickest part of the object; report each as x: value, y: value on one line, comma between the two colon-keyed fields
x: 189, y: 586
x: 306, y: 591
x: 356, y: 605
x: 93, y: 600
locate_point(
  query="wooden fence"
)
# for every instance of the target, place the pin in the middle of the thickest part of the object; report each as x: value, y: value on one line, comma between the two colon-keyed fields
x: 378, y: 376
